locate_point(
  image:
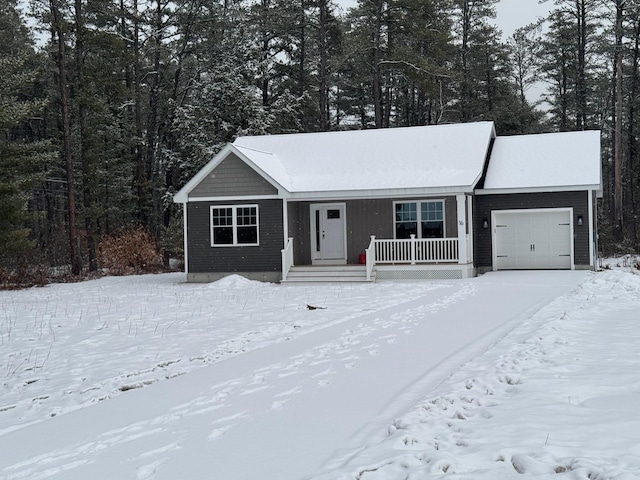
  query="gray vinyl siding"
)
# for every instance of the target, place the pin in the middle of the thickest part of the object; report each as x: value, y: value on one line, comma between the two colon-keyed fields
x: 232, y: 177
x: 203, y: 258
x: 485, y: 204
x: 300, y: 231
x: 364, y: 218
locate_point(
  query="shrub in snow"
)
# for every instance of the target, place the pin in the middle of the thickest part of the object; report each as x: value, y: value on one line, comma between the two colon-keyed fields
x: 130, y: 252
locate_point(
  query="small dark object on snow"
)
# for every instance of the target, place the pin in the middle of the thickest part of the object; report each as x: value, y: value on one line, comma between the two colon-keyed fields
x: 311, y: 307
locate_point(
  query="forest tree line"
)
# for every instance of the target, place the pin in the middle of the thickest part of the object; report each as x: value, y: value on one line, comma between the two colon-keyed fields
x: 108, y: 107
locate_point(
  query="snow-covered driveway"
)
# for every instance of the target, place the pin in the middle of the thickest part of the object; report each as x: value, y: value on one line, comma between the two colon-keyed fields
x: 290, y: 392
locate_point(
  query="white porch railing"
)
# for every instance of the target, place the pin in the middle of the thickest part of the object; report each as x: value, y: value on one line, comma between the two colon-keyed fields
x: 287, y: 258
x: 411, y: 250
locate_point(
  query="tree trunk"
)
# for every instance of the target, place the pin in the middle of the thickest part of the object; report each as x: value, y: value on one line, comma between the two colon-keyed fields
x: 141, y: 180
x: 302, y: 73
x: 564, y: 88
x: 74, y: 247
x: 87, y: 167
x: 323, y: 69
x: 617, y: 133
x: 581, y: 89
x: 154, y: 99
x: 632, y: 143
x: 376, y: 66
x: 465, y: 87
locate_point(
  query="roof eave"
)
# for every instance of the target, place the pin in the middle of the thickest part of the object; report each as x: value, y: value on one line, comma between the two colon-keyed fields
x: 543, y: 189
x: 379, y: 193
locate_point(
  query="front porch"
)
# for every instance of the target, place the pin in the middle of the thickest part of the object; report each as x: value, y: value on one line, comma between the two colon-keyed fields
x: 389, y: 238
x: 391, y: 259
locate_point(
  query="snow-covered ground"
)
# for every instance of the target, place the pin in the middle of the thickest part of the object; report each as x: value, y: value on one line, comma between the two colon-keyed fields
x: 511, y: 374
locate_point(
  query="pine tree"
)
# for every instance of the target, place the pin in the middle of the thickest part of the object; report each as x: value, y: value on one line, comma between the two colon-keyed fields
x: 570, y: 42
x: 473, y: 34
x: 632, y: 101
x: 420, y: 57
x: 22, y: 157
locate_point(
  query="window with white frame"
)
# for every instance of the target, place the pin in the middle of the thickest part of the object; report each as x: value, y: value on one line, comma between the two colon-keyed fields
x: 424, y: 219
x: 234, y: 225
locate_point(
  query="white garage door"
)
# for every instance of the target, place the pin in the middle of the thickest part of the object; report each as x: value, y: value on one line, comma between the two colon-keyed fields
x: 532, y: 239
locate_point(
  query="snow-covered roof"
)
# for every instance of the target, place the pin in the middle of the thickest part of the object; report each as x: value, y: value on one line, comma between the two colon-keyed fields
x: 545, y: 161
x: 431, y: 157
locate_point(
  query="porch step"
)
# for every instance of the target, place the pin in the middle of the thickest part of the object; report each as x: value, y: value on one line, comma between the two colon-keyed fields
x: 328, y: 273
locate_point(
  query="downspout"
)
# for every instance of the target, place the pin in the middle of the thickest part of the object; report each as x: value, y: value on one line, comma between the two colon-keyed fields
x: 471, y: 231
x: 461, y: 215
x: 285, y: 222
x: 593, y: 231
x: 285, y: 238
x: 184, y: 234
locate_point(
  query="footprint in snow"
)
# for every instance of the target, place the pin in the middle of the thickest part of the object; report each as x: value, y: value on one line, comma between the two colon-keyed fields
x: 320, y: 362
x: 328, y: 371
x: 228, y: 418
x: 218, y: 432
x: 249, y: 391
x: 147, y: 471
x: 278, y: 404
x: 293, y: 391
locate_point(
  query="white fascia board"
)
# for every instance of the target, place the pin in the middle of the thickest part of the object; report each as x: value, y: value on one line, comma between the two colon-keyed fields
x: 382, y: 193
x: 506, y: 191
x: 182, y: 196
x: 236, y: 198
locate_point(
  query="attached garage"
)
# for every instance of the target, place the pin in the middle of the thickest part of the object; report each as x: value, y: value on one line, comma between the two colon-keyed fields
x: 533, y: 239
x: 536, y: 206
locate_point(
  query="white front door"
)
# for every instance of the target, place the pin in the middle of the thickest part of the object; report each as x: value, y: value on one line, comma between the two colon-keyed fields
x: 532, y: 239
x: 328, y: 233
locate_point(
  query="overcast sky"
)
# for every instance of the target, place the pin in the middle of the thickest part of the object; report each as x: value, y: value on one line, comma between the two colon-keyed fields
x: 512, y: 14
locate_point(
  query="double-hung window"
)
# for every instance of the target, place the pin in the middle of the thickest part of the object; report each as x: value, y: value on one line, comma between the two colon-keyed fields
x: 234, y: 225
x: 424, y: 219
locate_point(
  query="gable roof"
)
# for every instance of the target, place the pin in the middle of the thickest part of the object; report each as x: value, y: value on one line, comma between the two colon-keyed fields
x: 545, y: 162
x: 432, y: 158
x: 182, y: 196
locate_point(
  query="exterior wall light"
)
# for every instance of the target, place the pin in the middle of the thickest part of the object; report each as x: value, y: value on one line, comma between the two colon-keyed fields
x: 580, y: 220
x: 485, y: 223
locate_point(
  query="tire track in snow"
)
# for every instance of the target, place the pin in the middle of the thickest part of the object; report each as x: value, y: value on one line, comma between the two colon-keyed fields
x: 272, y: 386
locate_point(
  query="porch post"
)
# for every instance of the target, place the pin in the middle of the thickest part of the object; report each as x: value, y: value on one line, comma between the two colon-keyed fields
x: 470, y: 247
x: 413, y: 248
x: 184, y: 226
x: 593, y: 236
x: 285, y: 222
x: 462, y: 228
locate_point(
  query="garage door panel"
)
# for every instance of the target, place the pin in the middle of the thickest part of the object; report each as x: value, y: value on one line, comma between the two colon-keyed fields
x: 541, y: 235
x: 533, y: 240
